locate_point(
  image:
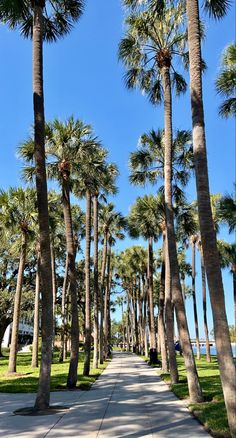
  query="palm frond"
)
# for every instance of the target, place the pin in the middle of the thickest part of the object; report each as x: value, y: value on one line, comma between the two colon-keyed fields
x: 217, y: 8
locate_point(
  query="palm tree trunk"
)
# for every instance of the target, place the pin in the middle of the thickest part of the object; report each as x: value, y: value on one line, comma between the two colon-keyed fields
x: 128, y: 322
x: 43, y: 394
x: 145, y: 319
x: 101, y: 333
x: 161, y: 324
x: 63, y: 312
x: 210, y: 252
x: 106, y: 303
x: 95, y: 330
x: 17, y: 303
x: 153, y: 346
x: 35, y: 346
x: 192, y: 377
x: 183, y: 285
x: 140, y: 319
x: 136, y: 344
x: 87, y: 345
x: 54, y: 286
x: 194, y: 298
x: 169, y: 317
x: 74, y: 353
x: 204, y: 305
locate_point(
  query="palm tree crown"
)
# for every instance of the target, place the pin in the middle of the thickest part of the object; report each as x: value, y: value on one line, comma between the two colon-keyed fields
x: 58, y: 16
x: 152, y: 41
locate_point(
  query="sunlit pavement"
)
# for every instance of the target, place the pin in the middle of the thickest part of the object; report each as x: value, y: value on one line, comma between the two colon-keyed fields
x: 128, y: 400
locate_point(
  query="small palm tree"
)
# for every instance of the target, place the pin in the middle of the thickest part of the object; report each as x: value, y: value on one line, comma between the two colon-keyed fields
x: 42, y: 20
x: 226, y: 81
x: 18, y: 214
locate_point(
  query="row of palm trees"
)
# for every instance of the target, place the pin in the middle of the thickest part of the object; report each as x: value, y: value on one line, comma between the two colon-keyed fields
x: 157, y: 34
x: 18, y: 223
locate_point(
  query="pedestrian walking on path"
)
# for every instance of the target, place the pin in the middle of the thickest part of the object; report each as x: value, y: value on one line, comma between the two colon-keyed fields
x: 128, y: 400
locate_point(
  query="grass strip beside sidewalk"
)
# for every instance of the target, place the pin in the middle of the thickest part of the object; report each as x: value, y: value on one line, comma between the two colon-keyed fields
x: 26, y: 379
x: 212, y: 412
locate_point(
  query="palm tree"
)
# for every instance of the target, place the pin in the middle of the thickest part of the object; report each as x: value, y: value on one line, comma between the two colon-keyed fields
x: 17, y: 213
x: 224, y: 352
x: 42, y: 20
x: 70, y: 145
x: 226, y: 81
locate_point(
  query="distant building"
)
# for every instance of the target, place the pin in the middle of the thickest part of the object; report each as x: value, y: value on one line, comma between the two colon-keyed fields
x: 25, y: 335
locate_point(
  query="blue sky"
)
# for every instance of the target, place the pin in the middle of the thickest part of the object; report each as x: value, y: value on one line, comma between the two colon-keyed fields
x: 82, y: 77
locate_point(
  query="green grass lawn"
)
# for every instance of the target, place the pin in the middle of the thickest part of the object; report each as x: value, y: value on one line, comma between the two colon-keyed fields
x: 212, y: 412
x: 27, y: 381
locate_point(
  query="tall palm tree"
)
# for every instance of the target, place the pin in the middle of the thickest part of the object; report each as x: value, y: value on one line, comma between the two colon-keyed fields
x: 69, y: 146
x: 226, y: 81
x: 18, y: 214
x: 42, y: 20
x: 224, y: 352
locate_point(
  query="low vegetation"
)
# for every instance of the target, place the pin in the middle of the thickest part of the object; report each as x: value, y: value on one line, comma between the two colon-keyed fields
x: 26, y: 378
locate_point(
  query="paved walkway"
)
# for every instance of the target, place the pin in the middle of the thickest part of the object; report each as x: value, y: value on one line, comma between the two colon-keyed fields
x: 128, y: 400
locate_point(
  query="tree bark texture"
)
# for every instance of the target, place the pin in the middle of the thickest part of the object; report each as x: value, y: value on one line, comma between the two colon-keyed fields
x: 87, y: 345
x: 194, y: 298
x: 204, y: 305
x: 161, y: 310
x: 101, y: 333
x: 95, y: 274
x: 74, y: 353
x: 17, y: 303
x: 35, y: 346
x: 43, y: 394
x: 208, y: 235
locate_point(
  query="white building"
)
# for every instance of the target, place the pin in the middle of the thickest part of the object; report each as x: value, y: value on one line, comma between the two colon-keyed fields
x: 25, y: 335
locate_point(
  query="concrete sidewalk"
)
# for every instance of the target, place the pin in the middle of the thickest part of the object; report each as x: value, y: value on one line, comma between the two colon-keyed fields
x: 128, y: 400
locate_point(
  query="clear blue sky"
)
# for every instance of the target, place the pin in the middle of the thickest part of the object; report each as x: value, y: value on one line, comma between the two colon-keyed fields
x: 82, y: 76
